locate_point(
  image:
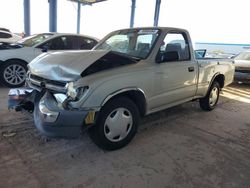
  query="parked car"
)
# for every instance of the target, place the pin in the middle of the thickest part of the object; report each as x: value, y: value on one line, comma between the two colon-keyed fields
x: 15, y: 57
x: 242, y: 62
x: 129, y: 74
x: 242, y: 67
x: 4, y: 29
x: 7, y: 37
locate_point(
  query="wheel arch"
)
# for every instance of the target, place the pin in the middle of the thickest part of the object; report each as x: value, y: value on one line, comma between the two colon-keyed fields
x: 16, y: 59
x: 1, y: 63
x: 220, y: 78
x: 12, y: 59
x: 136, y: 95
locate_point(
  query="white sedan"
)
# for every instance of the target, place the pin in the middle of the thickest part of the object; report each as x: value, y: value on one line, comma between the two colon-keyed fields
x: 242, y: 62
x: 7, y: 37
x: 14, y: 58
x: 242, y: 66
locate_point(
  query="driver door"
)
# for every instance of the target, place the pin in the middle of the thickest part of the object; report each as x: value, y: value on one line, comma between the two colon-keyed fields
x: 175, y: 72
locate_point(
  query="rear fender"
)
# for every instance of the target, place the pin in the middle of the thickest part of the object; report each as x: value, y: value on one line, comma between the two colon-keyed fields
x: 213, y: 79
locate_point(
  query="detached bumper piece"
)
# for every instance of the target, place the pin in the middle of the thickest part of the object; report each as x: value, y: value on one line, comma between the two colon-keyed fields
x: 53, y: 121
x: 21, y: 99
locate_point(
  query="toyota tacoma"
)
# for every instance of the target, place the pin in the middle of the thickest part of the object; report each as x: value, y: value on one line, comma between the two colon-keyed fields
x: 129, y: 74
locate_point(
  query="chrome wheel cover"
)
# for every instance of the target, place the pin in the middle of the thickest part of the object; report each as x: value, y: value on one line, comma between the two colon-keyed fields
x: 14, y: 74
x: 118, y: 124
x: 213, y: 96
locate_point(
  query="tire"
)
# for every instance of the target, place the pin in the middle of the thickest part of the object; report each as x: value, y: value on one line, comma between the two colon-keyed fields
x: 116, y: 124
x: 13, y: 73
x: 210, y: 101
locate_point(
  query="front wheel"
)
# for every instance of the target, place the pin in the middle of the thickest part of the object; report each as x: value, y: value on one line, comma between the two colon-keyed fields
x: 117, y: 124
x: 13, y: 73
x: 209, y: 102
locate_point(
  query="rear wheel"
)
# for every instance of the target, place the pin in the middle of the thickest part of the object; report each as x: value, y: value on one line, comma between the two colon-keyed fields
x: 13, y: 73
x: 117, y: 124
x: 209, y: 102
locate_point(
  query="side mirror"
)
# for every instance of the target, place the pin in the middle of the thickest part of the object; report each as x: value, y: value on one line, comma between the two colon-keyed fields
x: 168, y: 56
x: 45, y: 48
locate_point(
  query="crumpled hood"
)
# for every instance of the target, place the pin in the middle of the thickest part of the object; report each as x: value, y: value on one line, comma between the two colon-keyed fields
x: 64, y: 65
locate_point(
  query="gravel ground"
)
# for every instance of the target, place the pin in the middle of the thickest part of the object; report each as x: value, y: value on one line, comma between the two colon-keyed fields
x: 180, y: 147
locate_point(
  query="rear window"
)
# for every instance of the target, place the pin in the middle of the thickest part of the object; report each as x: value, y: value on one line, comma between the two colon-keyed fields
x: 86, y: 43
x: 34, y: 39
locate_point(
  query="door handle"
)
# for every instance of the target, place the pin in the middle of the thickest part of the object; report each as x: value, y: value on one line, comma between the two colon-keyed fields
x: 190, y: 69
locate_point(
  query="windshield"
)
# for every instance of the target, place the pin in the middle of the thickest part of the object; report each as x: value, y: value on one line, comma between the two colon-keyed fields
x: 135, y: 43
x: 243, y: 56
x: 34, y: 39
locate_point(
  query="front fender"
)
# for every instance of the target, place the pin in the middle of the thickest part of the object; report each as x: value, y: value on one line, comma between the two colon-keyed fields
x: 121, y: 91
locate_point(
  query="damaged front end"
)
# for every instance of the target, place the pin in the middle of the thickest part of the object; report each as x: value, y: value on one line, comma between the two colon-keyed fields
x: 53, y: 120
x: 20, y: 99
x: 57, y: 96
x: 50, y: 101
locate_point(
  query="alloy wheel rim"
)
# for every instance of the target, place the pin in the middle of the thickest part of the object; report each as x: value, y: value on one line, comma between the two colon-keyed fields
x: 118, y: 124
x: 14, y: 74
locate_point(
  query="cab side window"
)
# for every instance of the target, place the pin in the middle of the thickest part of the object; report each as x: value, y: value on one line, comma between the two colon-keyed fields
x: 175, y: 47
x: 61, y: 43
x: 86, y: 43
x: 69, y: 43
x: 54, y: 44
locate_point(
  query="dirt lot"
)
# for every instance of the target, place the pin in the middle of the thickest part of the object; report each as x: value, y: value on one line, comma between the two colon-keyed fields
x: 179, y: 147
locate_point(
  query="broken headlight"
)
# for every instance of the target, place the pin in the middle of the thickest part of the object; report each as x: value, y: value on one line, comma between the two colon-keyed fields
x: 76, y: 93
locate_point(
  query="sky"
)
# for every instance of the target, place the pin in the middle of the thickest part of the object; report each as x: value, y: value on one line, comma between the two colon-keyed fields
x: 217, y: 21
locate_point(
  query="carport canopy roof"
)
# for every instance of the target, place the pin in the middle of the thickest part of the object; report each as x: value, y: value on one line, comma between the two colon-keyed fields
x: 88, y: 1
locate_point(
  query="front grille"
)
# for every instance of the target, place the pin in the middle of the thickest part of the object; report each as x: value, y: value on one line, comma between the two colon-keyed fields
x: 52, y: 85
x: 40, y: 79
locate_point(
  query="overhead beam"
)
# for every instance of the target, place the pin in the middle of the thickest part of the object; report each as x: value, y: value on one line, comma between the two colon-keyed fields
x: 79, y: 3
x: 26, y: 10
x: 88, y: 2
x: 78, y: 17
x: 157, y: 12
x: 52, y: 15
x: 132, y: 16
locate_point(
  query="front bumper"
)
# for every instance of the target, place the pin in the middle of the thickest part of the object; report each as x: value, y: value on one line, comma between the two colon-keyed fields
x: 242, y: 69
x: 242, y: 77
x: 53, y: 121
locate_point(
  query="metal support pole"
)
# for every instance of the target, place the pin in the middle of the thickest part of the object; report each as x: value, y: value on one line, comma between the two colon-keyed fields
x: 26, y: 9
x: 78, y: 17
x: 157, y: 12
x: 132, y: 16
x: 52, y: 15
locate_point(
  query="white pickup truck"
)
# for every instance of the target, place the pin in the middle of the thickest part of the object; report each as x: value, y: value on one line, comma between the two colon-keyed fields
x: 129, y: 74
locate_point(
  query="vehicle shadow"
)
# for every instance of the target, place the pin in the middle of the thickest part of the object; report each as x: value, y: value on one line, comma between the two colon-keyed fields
x: 240, y: 85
